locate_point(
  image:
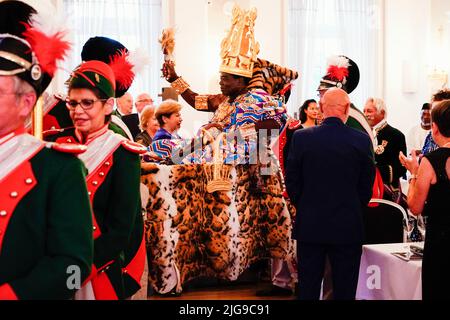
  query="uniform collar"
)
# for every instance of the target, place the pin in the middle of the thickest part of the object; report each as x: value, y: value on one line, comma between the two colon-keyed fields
x: 379, y: 126
x: 91, y: 136
x: 8, y: 136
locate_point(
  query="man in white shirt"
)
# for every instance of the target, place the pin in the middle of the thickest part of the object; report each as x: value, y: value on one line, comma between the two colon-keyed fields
x: 417, y: 134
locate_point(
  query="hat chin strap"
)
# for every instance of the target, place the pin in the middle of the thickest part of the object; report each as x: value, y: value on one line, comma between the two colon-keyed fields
x: 17, y: 60
x: 12, y: 72
x: 334, y: 83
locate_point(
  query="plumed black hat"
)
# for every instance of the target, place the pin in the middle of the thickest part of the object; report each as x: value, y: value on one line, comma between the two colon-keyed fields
x: 342, y: 72
x: 105, y: 49
x: 27, y: 50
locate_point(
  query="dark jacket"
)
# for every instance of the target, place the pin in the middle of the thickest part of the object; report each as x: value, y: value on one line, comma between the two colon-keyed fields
x: 329, y: 176
x: 386, y: 158
x: 144, y: 138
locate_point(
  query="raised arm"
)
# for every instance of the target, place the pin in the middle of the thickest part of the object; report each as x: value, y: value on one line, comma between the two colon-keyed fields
x: 199, y: 102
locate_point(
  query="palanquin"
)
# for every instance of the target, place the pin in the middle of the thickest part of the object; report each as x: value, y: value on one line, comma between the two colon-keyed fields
x: 191, y: 232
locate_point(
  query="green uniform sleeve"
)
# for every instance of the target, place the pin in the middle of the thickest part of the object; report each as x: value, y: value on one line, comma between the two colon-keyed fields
x: 68, y: 237
x: 124, y: 201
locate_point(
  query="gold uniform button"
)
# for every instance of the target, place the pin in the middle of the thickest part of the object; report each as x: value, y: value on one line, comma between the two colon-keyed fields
x: 94, y: 228
x: 95, y: 183
x: 107, y: 163
x: 29, y: 181
x: 101, y: 174
x: 14, y: 194
x: 3, y: 213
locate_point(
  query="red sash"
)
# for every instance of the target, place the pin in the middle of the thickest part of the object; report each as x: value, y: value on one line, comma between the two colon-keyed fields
x: 98, y: 171
x: 378, y: 188
x: 16, y: 174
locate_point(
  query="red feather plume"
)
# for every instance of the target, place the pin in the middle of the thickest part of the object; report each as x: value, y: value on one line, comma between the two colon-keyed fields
x: 338, y: 73
x: 286, y: 89
x: 48, y: 49
x: 123, y: 69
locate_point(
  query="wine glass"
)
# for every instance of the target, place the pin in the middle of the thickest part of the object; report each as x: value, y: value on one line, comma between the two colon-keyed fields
x: 409, y: 226
x: 421, y: 224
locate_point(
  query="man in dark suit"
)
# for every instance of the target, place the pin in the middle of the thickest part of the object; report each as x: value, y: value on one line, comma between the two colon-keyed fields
x: 329, y: 177
x: 389, y: 142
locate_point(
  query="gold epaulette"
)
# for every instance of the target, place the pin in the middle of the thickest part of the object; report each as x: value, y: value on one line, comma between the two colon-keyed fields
x: 71, y: 148
x: 134, y: 147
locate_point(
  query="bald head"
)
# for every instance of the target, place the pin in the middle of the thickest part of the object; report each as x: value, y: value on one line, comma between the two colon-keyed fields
x: 125, y: 104
x: 335, y: 103
x: 143, y: 100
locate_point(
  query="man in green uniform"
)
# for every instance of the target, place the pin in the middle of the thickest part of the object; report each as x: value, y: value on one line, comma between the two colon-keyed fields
x: 46, y: 245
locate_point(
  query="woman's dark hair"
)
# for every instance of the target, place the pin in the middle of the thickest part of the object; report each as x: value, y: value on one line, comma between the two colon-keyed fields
x: 98, y: 94
x: 302, y: 109
x: 441, y: 95
x: 440, y: 115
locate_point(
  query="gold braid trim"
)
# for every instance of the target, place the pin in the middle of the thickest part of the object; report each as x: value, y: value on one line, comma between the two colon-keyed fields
x: 391, y: 174
x: 201, y: 102
x: 180, y: 85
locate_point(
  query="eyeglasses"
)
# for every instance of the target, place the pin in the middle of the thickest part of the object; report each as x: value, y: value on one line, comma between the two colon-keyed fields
x: 145, y: 101
x: 85, y: 104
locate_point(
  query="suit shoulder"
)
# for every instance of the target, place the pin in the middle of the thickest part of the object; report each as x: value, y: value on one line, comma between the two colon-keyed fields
x: 358, y: 134
x: 397, y: 132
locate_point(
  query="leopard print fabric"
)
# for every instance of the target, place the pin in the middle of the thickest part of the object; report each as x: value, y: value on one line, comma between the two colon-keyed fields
x: 192, y: 233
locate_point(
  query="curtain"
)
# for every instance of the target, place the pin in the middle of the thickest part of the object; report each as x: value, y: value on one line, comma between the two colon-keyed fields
x: 318, y: 29
x: 135, y: 23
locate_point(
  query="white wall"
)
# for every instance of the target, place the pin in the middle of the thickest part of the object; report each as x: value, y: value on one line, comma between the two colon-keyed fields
x: 440, y: 38
x: 189, y: 18
x: 418, y: 32
x: 407, y: 47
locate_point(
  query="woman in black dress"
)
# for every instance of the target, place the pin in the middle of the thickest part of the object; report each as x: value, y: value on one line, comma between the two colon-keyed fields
x: 429, y: 194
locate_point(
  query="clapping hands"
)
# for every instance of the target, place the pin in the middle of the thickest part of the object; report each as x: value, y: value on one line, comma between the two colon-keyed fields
x: 411, y: 164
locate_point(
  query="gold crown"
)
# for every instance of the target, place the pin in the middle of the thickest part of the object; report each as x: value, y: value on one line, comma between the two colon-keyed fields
x: 218, y: 173
x: 239, y: 48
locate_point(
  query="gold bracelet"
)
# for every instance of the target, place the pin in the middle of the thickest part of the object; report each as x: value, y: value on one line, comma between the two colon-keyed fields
x: 201, y: 102
x: 180, y: 85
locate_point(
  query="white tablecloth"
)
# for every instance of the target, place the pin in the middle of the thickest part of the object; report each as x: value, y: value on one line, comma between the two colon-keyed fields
x: 383, y: 276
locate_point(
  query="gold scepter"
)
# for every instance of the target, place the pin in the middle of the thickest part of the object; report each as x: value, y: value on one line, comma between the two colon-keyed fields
x: 37, y: 118
x: 167, y: 42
